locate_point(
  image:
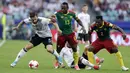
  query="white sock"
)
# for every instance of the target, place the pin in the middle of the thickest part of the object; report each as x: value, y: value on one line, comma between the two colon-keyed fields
x: 86, y: 62
x: 95, y: 57
x: 87, y: 44
x: 20, y: 54
x: 78, y: 49
x: 55, y: 53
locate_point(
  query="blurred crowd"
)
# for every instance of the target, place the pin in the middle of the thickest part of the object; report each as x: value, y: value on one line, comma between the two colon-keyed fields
x: 113, y: 10
x: 17, y: 10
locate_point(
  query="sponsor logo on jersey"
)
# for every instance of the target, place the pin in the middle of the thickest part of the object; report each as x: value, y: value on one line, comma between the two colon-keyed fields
x: 62, y: 16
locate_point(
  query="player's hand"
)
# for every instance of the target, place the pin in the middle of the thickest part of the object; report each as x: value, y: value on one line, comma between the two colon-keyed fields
x: 124, y: 36
x: 59, y: 32
x: 15, y: 28
x: 84, y: 31
x: 53, y: 19
x: 75, y: 30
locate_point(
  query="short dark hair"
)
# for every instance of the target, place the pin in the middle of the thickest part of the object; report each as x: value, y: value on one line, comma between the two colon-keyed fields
x: 32, y: 14
x: 65, y: 3
x: 84, y: 5
x: 99, y: 17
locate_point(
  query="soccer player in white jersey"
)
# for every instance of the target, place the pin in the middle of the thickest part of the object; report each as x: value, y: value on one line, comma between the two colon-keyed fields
x: 85, y: 18
x: 67, y: 55
x: 42, y: 35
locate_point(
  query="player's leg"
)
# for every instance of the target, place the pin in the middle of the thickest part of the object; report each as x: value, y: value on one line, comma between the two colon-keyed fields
x: 89, y: 52
x: 73, y: 43
x: 87, y: 63
x: 87, y: 43
x: 94, y: 48
x: 79, y: 37
x: 97, y: 59
x: 112, y: 48
x: 59, y: 45
x: 48, y: 45
x: 87, y: 46
x: 33, y: 42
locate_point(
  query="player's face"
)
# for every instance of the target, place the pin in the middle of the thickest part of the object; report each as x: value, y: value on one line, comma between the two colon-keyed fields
x: 85, y: 9
x: 64, y: 8
x: 99, y: 22
x: 34, y: 19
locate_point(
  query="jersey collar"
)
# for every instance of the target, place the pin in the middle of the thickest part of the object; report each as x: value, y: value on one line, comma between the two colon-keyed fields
x: 102, y: 24
x: 66, y: 13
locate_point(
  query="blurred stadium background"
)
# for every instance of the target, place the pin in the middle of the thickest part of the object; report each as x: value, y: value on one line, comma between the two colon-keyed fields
x: 13, y: 11
x: 115, y: 11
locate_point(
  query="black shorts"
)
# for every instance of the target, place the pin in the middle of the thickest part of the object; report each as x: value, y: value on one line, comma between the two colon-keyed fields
x: 36, y: 40
x: 83, y: 36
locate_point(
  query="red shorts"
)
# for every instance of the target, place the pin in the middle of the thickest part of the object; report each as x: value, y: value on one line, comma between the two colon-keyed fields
x: 62, y: 39
x: 108, y: 44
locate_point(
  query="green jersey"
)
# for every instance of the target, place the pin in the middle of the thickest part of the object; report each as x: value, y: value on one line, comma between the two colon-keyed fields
x: 65, y: 21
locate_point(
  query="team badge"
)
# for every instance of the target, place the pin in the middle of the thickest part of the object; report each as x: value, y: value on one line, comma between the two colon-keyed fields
x: 71, y: 17
x: 62, y: 17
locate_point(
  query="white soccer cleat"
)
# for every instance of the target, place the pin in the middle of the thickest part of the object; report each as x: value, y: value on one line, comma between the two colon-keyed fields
x: 89, y: 68
x: 124, y: 68
x: 100, y: 61
x: 13, y: 64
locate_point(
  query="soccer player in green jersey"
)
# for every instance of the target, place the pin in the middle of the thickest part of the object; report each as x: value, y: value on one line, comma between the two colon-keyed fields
x: 64, y: 18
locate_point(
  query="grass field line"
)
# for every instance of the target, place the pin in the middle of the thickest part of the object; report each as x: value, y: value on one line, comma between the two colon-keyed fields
x: 2, y: 43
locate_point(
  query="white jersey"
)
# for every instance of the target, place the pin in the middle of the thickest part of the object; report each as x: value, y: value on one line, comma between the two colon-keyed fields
x: 41, y: 28
x: 67, y: 54
x: 85, y: 18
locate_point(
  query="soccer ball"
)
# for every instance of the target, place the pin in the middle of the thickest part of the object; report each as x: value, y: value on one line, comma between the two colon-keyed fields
x: 33, y: 64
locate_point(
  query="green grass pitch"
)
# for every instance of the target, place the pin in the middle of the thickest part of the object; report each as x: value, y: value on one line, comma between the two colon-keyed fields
x: 10, y: 49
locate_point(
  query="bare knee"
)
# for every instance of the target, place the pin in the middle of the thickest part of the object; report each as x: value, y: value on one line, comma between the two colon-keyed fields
x: 49, y: 48
x: 114, y: 50
x: 90, y: 48
x: 29, y: 46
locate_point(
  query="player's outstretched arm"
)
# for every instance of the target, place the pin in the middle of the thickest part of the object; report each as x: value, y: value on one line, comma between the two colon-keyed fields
x: 53, y: 21
x: 80, y: 23
x: 17, y: 27
x: 91, y: 29
x: 89, y: 33
x: 57, y: 27
x: 120, y: 30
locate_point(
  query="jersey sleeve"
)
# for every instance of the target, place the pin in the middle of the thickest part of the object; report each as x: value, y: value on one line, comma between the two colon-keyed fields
x: 75, y: 17
x: 45, y: 20
x: 56, y: 13
x: 79, y: 16
x: 88, y: 18
x: 110, y: 25
x: 92, y: 27
x: 27, y: 20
